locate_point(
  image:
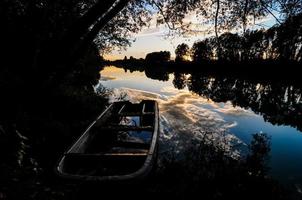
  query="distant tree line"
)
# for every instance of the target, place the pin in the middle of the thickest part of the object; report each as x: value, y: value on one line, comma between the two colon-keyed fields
x: 158, y: 57
x: 282, y: 42
x: 278, y: 43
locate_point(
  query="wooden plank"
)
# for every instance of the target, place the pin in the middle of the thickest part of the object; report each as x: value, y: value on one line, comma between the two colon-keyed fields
x: 127, y: 128
x: 135, y: 114
x: 106, y: 154
x: 122, y: 108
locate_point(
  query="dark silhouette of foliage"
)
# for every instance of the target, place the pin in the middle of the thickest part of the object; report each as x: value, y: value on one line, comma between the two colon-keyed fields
x: 202, y: 51
x: 257, y: 160
x: 288, y: 42
x: 279, y: 43
x: 158, y: 57
x: 181, y: 52
x: 230, y: 47
x: 157, y: 74
x: 179, y: 81
x: 255, y: 45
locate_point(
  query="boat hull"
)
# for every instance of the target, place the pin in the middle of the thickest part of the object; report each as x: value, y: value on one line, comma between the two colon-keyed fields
x: 120, y: 145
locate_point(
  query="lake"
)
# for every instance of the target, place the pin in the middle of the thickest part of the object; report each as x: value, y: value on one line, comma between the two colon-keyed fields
x: 231, y: 109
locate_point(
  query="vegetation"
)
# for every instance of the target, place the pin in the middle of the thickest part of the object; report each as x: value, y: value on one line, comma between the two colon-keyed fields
x: 201, y: 51
x: 50, y: 54
x: 206, y: 171
x: 279, y: 43
x: 182, y: 52
x: 158, y: 57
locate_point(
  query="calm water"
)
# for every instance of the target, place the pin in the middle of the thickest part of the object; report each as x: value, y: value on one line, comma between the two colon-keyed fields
x: 230, y: 109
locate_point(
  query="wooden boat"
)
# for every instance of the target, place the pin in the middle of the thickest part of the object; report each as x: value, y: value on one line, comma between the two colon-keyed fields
x: 121, y: 144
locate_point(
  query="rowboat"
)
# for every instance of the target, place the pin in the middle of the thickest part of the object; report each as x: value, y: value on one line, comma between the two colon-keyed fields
x: 121, y: 144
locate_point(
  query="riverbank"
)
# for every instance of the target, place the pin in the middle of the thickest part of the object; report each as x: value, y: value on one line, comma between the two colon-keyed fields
x: 253, y: 70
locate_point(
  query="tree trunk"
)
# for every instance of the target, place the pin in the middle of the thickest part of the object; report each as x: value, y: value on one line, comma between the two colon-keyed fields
x: 89, y: 37
x: 79, y: 46
x: 81, y: 26
x: 216, y: 28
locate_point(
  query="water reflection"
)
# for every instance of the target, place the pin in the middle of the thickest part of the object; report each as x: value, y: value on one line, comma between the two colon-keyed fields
x: 157, y: 74
x: 279, y: 103
x: 232, y: 109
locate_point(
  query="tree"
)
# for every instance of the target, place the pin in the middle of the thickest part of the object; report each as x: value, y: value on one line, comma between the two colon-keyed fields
x: 254, y: 45
x: 202, y: 51
x: 221, y: 14
x: 287, y: 43
x: 257, y: 160
x: 182, y: 52
x: 158, y: 57
x: 230, y: 47
x: 179, y: 80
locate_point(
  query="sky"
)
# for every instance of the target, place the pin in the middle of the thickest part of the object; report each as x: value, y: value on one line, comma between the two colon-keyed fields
x: 154, y: 38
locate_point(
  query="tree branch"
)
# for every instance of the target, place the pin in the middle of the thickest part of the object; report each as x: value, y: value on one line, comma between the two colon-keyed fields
x: 81, y: 26
x: 244, y: 16
x: 100, y: 24
x: 162, y: 13
x: 268, y: 10
x: 216, y: 17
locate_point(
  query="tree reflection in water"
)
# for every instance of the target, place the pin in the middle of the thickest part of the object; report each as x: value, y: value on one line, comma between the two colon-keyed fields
x: 279, y: 103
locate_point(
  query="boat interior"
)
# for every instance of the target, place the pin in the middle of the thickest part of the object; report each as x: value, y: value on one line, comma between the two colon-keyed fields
x: 117, y: 144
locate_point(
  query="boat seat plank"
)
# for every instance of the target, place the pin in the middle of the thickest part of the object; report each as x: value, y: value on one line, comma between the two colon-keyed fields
x: 106, y: 154
x: 113, y: 127
x: 134, y: 114
x: 134, y: 145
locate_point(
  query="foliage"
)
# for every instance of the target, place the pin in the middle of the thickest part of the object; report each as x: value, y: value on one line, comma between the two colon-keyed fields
x: 206, y: 170
x: 257, y: 160
x: 279, y: 43
x: 158, y: 57
x: 201, y: 51
x: 182, y: 52
x: 119, y: 31
x: 230, y: 47
x: 50, y: 62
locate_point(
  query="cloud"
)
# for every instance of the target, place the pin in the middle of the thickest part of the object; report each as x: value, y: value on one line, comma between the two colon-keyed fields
x: 183, y: 116
x: 155, y: 31
x: 229, y: 109
x: 107, y: 78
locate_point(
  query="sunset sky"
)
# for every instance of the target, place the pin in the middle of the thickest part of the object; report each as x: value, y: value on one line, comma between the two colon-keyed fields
x: 154, y: 38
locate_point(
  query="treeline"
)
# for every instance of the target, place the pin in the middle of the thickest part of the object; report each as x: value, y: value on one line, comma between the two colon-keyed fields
x: 279, y: 43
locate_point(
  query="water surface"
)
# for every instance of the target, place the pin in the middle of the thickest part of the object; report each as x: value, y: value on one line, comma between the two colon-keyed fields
x: 231, y: 109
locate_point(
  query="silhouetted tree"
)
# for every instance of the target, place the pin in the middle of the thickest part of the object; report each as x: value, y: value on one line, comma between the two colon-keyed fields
x: 158, y: 57
x: 157, y: 73
x: 182, y: 51
x: 179, y: 80
x: 288, y: 41
x: 289, y: 8
x: 230, y: 47
x: 202, y: 51
x: 257, y: 160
